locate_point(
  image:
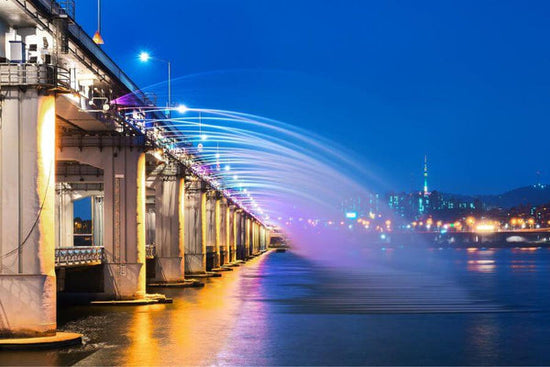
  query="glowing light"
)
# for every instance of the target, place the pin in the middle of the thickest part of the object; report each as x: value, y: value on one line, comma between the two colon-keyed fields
x: 227, y: 167
x: 235, y: 177
x: 351, y: 215
x: 182, y: 108
x: 204, y: 137
x: 485, y: 227
x: 98, y: 40
x: 144, y: 56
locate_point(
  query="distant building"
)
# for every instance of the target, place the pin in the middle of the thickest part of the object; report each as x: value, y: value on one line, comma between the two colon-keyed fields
x: 414, y: 205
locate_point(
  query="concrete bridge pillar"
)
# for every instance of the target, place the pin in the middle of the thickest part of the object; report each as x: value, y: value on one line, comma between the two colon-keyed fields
x: 252, y: 237
x: 222, y: 230
x: 124, y: 219
x: 255, y: 237
x: 212, y: 250
x: 248, y: 236
x: 194, y: 229
x: 123, y: 213
x: 27, y: 214
x: 263, y: 239
x: 239, y: 234
x: 169, y: 224
x: 98, y: 226
x: 64, y: 216
x: 231, y: 233
x: 259, y: 235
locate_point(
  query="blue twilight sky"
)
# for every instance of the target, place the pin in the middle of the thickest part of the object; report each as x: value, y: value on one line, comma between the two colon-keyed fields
x: 466, y: 82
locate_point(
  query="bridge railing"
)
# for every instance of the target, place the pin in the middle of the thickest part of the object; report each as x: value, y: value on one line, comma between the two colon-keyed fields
x: 80, y: 255
x: 37, y: 75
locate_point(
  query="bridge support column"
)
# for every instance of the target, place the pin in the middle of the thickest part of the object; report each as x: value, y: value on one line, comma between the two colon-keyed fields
x: 125, y: 224
x: 230, y: 235
x: 195, y: 231
x: 123, y: 215
x: 64, y: 217
x: 97, y: 215
x: 263, y: 239
x: 260, y: 236
x: 255, y: 237
x: 248, y: 236
x: 27, y: 214
x: 222, y: 230
x: 169, y: 204
x: 239, y: 235
x: 252, y: 237
x: 212, y: 250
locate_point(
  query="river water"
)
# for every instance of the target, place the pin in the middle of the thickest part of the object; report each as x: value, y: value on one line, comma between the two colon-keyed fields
x: 394, y: 306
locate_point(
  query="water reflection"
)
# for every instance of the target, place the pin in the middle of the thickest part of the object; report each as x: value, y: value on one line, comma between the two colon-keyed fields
x: 482, y: 340
x: 482, y: 266
x: 144, y: 344
x: 391, y: 308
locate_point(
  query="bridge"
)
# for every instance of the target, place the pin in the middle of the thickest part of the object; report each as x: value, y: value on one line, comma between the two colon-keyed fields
x: 63, y: 137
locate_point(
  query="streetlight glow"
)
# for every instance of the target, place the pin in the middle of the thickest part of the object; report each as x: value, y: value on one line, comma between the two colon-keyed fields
x: 144, y: 56
x: 182, y: 108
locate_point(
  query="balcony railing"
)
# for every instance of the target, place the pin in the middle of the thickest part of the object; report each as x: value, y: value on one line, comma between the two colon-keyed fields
x: 35, y: 75
x: 81, y: 255
x: 150, y: 251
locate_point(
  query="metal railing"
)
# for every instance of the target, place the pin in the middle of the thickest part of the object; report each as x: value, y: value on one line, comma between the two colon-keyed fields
x: 82, y: 255
x: 35, y: 75
x: 150, y: 251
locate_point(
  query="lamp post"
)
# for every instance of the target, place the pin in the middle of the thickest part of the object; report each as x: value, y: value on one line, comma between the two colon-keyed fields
x: 145, y: 57
x: 97, y: 36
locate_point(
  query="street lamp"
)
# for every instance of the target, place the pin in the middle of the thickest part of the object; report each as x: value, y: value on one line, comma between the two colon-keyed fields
x: 145, y: 57
x: 98, y: 40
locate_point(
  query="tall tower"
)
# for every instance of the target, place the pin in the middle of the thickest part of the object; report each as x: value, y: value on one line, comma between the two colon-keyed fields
x: 426, y: 192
